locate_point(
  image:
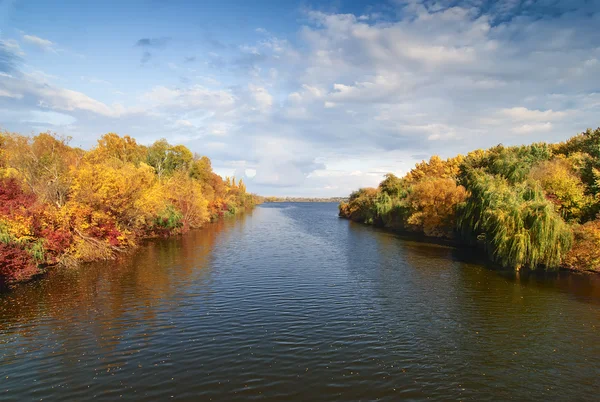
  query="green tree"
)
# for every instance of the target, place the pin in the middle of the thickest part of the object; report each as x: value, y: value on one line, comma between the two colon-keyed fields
x: 515, y: 223
x: 166, y: 159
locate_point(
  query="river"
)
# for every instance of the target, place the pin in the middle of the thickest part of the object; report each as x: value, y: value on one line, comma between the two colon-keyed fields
x: 289, y: 302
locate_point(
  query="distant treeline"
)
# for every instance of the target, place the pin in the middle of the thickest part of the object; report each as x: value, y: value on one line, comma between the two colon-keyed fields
x: 64, y: 205
x: 528, y: 206
x: 304, y: 199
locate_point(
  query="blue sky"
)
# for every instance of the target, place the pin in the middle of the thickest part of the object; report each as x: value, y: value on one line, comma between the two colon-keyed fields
x: 303, y: 98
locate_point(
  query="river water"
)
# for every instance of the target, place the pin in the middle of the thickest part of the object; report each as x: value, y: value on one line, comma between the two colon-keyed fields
x: 289, y: 302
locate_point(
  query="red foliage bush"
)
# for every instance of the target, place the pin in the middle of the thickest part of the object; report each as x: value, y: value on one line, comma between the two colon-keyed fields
x: 12, y: 197
x: 106, y: 231
x: 15, y: 264
x: 56, y: 242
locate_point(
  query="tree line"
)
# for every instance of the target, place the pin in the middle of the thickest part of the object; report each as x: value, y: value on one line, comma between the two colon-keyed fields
x: 62, y: 205
x: 304, y: 199
x: 531, y: 206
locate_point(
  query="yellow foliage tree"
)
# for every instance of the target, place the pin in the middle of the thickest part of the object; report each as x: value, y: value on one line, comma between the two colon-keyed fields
x: 112, y: 187
x: 435, y: 167
x: 112, y: 146
x: 152, y: 201
x: 563, y: 187
x: 185, y: 194
x: 432, y: 205
x: 43, y: 163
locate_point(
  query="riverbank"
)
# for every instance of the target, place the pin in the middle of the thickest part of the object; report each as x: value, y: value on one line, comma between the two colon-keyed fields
x: 526, y: 206
x: 122, y: 254
x: 62, y: 206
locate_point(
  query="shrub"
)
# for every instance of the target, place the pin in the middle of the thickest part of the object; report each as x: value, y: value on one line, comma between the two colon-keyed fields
x: 585, y: 254
x: 12, y: 197
x: 16, y: 264
x: 361, y: 206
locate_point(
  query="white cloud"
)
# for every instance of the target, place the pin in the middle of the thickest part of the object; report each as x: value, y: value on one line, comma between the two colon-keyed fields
x: 41, y: 43
x: 66, y: 99
x: 184, y: 123
x: 249, y: 49
x: 40, y: 77
x: 54, y: 118
x: 94, y: 80
x: 261, y: 95
x: 192, y: 98
x: 7, y: 94
x: 532, y: 128
x: 219, y: 129
x: 52, y: 97
x: 13, y: 46
x: 435, y: 55
x: 524, y: 114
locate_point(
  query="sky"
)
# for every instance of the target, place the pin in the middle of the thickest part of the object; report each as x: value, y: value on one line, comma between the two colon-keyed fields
x: 306, y: 98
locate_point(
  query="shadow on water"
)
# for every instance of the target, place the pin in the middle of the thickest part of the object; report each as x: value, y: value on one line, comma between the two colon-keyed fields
x: 582, y: 286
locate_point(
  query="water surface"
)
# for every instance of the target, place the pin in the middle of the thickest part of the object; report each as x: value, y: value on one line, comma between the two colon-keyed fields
x: 289, y: 302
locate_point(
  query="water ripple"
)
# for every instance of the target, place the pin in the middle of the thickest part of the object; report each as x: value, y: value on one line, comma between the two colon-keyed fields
x: 290, y: 302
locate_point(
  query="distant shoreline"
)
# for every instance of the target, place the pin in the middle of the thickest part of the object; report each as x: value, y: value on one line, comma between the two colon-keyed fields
x: 304, y: 199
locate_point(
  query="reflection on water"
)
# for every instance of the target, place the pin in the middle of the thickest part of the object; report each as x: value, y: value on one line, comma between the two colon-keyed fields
x: 290, y: 302
x: 160, y: 270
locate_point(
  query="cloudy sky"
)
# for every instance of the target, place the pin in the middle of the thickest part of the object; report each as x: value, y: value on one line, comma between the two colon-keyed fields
x: 306, y: 98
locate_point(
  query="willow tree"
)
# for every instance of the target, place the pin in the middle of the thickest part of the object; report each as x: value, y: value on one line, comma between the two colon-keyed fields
x: 516, y: 224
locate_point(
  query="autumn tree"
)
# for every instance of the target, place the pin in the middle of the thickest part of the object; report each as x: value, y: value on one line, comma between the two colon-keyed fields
x: 587, y: 145
x: 585, y: 254
x: 43, y: 163
x: 433, y: 204
x: 112, y: 187
x: 435, y: 167
x: 563, y: 187
x: 3, y: 153
x: 63, y: 205
x: 185, y: 194
x: 112, y: 146
x: 201, y: 169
